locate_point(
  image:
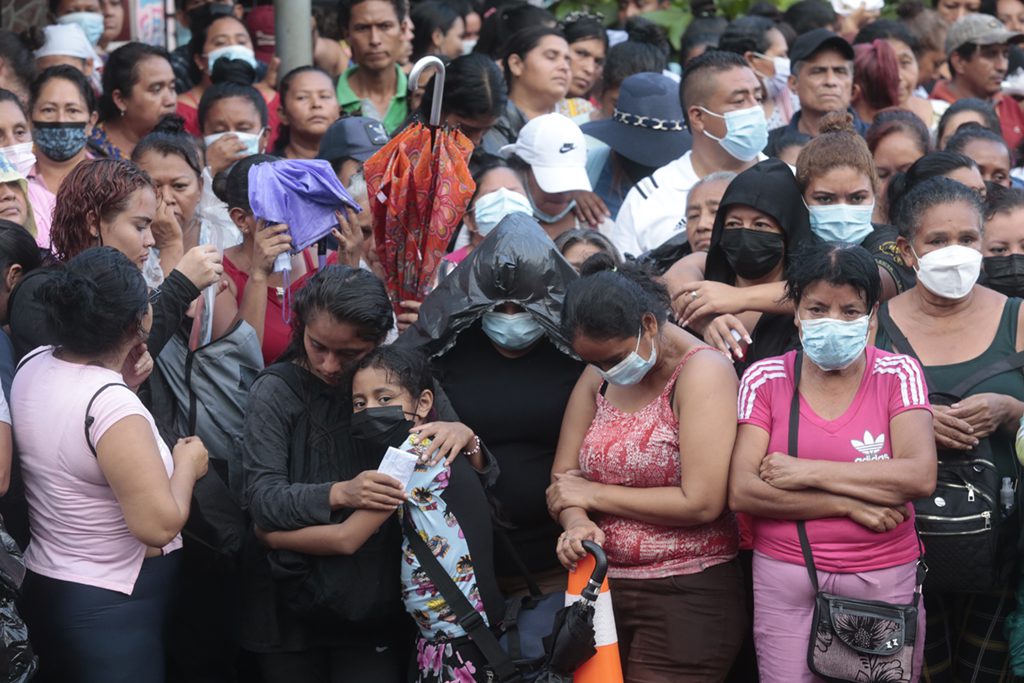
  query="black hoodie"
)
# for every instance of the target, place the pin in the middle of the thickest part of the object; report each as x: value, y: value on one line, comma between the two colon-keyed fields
x: 771, y: 188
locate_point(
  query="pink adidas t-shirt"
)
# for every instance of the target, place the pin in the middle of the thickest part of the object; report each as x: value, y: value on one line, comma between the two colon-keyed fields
x: 892, y: 384
x: 79, y: 533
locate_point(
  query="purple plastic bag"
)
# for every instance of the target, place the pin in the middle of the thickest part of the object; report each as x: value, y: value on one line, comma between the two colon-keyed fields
x: 303, y: 193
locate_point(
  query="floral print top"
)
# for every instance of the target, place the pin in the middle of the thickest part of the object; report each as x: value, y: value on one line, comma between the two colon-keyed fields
x: 432, y: 519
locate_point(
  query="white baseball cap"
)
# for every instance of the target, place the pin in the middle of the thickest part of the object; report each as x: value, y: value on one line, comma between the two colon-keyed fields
x: 554, y: 147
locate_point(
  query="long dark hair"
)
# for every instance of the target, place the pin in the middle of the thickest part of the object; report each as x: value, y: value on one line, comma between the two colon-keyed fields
x: 474, y: 89
x: 284, y: 133
x: 122, y: 73
x: 429, y: 16
x: 522, y: 43
x: 351, y: 295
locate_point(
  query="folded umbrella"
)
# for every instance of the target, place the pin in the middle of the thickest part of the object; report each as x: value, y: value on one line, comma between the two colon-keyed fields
x: 303, y: 193
x: 419, y: 186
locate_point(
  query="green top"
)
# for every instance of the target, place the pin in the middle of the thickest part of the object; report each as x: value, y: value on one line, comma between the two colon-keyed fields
x: 397, y: 111
x: 942, y: 378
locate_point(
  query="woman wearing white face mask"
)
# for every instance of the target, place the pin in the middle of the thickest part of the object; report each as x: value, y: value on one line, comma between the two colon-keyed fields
x: 764, y: 47
x: 498, y: 193
x: 16, y: 149
x: 642, y: 468
x: 233, y: 120
x: 958, y: 328
x: 550, y: 157
x: 833, y: 443
x: 492, y: 329
x: 216, y: 38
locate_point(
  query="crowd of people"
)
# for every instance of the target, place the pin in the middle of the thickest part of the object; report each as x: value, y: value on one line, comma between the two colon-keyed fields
x: 745, y: 313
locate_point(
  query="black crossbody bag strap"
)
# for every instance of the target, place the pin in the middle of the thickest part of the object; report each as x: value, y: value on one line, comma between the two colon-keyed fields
x: 801, y: 526
x: 900, y: 342
x: 466, y: 615
x: 89, y: 419
x: 794, y: 429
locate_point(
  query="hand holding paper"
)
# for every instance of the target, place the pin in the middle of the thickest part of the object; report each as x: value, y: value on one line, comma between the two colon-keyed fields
x: 398, y: 464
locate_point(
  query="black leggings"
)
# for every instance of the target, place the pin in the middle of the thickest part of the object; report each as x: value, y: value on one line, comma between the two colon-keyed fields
x: 85, y: 634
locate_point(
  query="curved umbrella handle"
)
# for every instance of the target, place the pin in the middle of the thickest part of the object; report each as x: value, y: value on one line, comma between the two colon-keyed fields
x: 414, y: 81
x: 593, y: 587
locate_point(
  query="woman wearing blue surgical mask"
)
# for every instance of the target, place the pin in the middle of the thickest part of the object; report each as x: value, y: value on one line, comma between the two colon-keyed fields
x: 498, y: 194
x: 834, y: 439
x: 222, y: 38
x: 233, y: 120
x: 838, y: 182
x: 492, y: 330
x: 88, y: 14
x: 957, y: 328
x: 642, y: 469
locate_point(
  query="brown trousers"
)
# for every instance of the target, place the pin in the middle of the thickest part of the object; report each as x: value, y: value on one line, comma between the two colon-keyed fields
x: 681, y: 628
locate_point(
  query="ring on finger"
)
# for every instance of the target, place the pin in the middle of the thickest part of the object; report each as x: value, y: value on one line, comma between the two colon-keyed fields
x: 694, y: 295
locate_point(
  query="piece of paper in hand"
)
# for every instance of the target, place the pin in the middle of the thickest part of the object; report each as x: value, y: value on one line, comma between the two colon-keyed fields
x: 398, y: 464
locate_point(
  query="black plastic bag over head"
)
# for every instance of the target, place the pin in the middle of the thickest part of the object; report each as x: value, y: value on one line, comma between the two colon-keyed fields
x: 517, y: 262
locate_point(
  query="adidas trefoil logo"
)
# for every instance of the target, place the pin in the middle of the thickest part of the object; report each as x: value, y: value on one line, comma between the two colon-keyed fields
x: 871, y: 447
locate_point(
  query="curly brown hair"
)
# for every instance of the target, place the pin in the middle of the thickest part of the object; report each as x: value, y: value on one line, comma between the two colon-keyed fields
x: 100, y: 187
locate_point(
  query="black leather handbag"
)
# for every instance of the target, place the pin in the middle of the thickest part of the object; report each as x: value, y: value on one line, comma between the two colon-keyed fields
x: 969, y: 541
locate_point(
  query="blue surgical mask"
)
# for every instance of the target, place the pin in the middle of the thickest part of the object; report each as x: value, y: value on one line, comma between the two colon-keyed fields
x: 492, y: 207
x: 841, y: 222
x: 633, y: 368
x: 59, y: 141
x: 746, y: 132
x: 833, y: 344
x: 91, y: 23
x: 231, y: 52
x: 183, y: 34
x: 250, y: 140
x: 512, y: 331
x: 549, y: 217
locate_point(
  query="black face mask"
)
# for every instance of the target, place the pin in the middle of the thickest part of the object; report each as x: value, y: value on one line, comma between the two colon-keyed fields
x: 1005, y: 274
x: 751, y: 253
x: 384, y: 426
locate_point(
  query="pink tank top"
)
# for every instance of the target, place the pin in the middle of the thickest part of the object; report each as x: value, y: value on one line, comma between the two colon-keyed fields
x: 641, y: 450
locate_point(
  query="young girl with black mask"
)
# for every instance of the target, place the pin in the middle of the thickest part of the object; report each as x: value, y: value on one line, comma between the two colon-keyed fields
x: 392, y: 401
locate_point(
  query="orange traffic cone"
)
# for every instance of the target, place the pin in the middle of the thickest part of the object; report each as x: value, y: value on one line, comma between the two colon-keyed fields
x: 605, y: 666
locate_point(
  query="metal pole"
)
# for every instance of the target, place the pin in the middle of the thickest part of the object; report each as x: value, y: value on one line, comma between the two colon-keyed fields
x: 294, y: 33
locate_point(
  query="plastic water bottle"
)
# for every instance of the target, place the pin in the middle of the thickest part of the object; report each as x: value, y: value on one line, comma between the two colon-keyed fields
x: 1020, y: 442
x: 1007, y: 495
